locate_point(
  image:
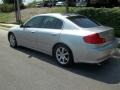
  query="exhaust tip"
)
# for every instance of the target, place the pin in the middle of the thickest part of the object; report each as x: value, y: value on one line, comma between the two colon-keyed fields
x: 116, y: 53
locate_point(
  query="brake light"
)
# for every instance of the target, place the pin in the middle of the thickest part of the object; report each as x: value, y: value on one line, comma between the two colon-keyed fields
x: 94, y: 39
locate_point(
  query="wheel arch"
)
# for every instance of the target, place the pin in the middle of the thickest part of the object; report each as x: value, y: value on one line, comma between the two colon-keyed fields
x: 60, y: 43
x: 9, y: 34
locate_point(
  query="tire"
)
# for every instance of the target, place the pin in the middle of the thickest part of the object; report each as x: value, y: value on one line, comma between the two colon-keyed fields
x: 63, y: 55
x: 12, y: 40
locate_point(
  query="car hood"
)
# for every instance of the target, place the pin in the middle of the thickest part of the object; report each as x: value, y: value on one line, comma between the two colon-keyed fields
x: 15, y: 27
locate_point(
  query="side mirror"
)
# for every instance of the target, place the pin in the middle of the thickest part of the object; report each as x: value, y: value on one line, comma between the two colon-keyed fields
x: 24, y: 26
x: 21, y: 25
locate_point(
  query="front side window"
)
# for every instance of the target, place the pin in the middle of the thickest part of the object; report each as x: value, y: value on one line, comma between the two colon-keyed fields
x: 83, y: 22
x: 35, y: 22
x: 52, y: 23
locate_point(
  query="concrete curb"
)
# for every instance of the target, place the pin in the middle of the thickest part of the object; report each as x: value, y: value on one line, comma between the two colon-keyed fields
x: 7, y: 25
x: 4, y: 28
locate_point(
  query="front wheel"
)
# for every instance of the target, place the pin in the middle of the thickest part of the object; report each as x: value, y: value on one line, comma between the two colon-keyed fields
x: 12, y: 40
x: 63, y: 55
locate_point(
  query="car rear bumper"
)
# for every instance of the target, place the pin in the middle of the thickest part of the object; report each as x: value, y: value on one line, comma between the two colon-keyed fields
x: 97, y: 55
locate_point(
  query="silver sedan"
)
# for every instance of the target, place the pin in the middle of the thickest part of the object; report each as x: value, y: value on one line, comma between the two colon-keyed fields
x: 70, y: 38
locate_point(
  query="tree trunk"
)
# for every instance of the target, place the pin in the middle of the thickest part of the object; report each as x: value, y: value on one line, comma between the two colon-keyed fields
x: 67, y: 6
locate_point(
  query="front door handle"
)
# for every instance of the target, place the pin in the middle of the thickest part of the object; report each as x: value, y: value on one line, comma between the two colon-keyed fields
x: 54, y: 34
x: 32, y: 31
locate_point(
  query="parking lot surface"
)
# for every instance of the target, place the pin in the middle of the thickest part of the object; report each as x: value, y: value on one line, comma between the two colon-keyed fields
x: 25, y: 69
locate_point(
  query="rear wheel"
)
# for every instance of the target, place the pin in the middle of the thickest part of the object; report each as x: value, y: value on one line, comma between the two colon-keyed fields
x: 63, y: 55
x: 12, y: 40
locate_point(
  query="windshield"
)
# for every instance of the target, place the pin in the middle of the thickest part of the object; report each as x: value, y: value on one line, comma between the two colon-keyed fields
x: 83, y: 22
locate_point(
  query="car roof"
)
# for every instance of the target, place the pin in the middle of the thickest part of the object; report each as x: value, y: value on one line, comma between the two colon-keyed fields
x: 60, y: 14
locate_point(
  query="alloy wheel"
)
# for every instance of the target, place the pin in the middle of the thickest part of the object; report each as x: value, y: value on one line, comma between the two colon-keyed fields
x: 12, y: 40
x: 62, y: 55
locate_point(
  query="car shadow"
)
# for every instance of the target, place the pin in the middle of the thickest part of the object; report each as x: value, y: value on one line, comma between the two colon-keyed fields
x: 108, y: 72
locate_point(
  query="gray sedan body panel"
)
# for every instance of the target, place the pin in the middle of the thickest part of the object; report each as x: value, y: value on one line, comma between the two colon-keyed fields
x: 44, y: 39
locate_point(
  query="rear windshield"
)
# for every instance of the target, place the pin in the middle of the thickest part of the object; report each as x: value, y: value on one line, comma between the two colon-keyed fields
x: 83, y: 22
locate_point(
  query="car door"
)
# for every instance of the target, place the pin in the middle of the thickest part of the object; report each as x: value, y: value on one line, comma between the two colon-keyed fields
x: 29, y: 32
x: 49, y: 33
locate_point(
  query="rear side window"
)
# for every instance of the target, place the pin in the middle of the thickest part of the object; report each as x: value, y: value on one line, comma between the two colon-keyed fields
x: 83, y: 22
x: 52, y: 23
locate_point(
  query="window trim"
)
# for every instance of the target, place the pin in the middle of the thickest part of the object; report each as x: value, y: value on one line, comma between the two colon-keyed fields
x: 58, y: 19
x: 30, y: 20
x: 86, y: 18
x: 44, y: 18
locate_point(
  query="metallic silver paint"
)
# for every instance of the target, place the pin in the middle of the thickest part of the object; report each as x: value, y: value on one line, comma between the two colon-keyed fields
x: 43, y: 40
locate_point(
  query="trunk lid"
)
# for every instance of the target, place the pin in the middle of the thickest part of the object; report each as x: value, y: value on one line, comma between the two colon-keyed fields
x: 104, y: 32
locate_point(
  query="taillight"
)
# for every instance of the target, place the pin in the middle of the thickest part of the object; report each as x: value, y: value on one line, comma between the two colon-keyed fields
x: 94, y: 39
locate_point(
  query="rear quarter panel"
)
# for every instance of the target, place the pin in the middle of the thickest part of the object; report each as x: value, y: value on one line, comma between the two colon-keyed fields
x: 74, y: 40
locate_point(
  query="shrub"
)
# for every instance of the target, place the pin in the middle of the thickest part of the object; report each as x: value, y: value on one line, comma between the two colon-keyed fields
x: 22, y: 6
x: 31, y: 5
x: 6, y: 7
x: 9, y: 7
x: 106, y: 16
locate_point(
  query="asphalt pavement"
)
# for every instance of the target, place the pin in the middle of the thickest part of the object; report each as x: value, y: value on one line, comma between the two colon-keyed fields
x: 25, y: 69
